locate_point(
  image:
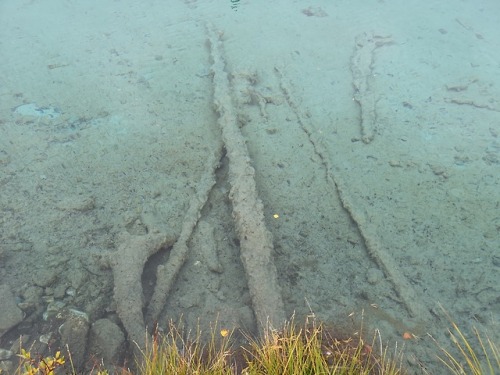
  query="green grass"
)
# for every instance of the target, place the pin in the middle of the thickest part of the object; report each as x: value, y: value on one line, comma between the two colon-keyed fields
x: 297, y: 349
x: 171, y: 353
x: 310, y: 348
x: 313, y: 348
x: 477, y: 356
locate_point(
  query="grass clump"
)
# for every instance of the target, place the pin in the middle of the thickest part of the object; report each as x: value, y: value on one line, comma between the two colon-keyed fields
x: 478, y: 357
x: 314, y: 349
x: 306, y: 349
x: 171, y: 353
x: 311, y: 348
x: 295, y: 350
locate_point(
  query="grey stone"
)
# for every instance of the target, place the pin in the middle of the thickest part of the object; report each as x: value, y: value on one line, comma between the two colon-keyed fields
x: 10, y: 314
x: 374, y: 276
x: 44, y: 277
x: 20, y: 342
x: 60, y: 291
x: 74, y: 333
x: 106, y: 341
x: 5, y: 354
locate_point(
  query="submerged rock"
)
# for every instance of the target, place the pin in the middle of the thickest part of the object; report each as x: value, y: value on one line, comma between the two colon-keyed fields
x: 106, y: 341
x: 74, y: 333
x: 11, y: 315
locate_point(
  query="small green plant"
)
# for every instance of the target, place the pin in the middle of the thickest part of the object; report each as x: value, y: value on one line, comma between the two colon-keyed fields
x: 49, y: 365
x: 40, y: 366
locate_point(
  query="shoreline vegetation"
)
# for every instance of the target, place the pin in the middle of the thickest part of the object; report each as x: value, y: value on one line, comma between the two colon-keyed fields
x: 297, y: 349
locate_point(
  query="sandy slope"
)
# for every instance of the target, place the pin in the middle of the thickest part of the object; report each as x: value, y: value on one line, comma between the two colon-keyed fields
x: 120, y: 121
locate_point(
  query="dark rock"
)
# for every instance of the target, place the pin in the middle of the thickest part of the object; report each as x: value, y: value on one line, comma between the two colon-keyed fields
x: 74, y: 333
x: 106, y: 341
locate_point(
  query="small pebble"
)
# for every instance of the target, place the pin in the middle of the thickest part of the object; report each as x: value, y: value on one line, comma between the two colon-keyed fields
x: 374, y: 276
